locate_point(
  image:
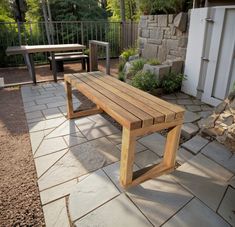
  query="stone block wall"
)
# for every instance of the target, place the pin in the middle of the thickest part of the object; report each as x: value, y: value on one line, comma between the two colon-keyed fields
x: 163, y: 36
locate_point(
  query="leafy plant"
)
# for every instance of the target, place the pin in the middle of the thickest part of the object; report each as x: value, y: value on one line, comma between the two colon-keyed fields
x: 144, y: 80
x: 137, y: 65
x: 121, y: 66
x: 154, y: 61
x: 128, y: 52
x: 121, y: 76
x: 86, y: 51
x: 172, y: 82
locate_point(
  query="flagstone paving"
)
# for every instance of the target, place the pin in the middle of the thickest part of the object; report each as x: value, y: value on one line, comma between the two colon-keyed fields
x: 78, y: 161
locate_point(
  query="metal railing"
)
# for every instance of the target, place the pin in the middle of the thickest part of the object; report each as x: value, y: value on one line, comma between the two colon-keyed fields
x: 118, y: 35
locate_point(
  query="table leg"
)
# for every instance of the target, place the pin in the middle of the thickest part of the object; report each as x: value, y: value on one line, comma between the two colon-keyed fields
x: 127, y: 157
x: 30, y: 65
x: 53, y: 62
x: 68, y: 90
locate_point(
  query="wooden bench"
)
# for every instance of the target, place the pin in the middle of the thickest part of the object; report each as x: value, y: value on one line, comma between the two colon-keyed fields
x: 61, y: 57
x: 137, y: 111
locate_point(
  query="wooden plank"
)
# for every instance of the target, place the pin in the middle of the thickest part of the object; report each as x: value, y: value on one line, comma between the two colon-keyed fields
x: 127, y: 157
x: 126, y: 88
x: 155, y: 101
x: 130, y: 101
x: 88, y: 112
x: 145, y: 118
x: 122, y: 116
x: 43, y: 48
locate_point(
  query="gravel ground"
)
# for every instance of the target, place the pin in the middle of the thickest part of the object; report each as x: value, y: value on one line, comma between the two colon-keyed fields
x: 19, y: 196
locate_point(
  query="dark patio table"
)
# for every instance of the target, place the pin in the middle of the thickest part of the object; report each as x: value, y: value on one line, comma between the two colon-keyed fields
x: 28, y: 51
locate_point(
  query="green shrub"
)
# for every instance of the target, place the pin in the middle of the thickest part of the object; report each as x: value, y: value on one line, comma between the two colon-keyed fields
x: 86, y: 51
x: 121, y: 76
x: 154, y: 61
x: 121, y: 66
x: 128, y: 52
x: 137, y: 65
x: 172, y: 82
x: 144, y: 80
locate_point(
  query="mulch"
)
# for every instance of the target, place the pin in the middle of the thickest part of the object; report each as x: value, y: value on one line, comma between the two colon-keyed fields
x: 19, y: 196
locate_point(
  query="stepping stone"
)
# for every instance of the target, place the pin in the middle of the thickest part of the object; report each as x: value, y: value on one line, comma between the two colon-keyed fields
x: 204, y: 178
x: 183, y: 156
x: 55, y: 214
x: 159, y: 199
x: 45, y: 162
x: 220, y: 154
x: 58, y: 191
x: 138, y: 148
x: 193, y: 108
x: 52, y: 113
x: 74, y: 139
x: 90, y: 193
x: 96, y: 130
x: 169, y: 97
x: 49, y: 146
x: 47, y: 124
x: 227, y: 207
x: 155, y: 142
x: 184, y: 101
x: 118, y: 212
x: 80, y: 160
x: 195, y: 144
x: 181, y: 95
x: 190, y: 117
x: 115, y: 138
x: 146, y: 158
x: 195, y: 214
x: 188, y: 130
x: 206, y: 107
x: 204, y: 114
x: 113, y: 171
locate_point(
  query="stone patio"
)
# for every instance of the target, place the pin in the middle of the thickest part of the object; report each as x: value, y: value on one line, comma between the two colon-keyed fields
x: 77, y: 164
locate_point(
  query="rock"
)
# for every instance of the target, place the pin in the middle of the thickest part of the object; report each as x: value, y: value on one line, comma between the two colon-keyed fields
x: 170, y: 18
x: 176, y: 66
x: 221, y: 107
x: 133, y: 57
x: 180, y: 21
x: 145, y: 33
x: 172, y: 44
x: 150, y: 51
x: 158, y: 70
x: 127, y: 68
x: 156, y: 33
x: 208, y: 122
x: 162, y: 20
x: 188, y: 130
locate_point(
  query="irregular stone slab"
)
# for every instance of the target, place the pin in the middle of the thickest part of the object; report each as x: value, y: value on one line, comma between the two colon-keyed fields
x: 50, y: 100
x: 80, y: 160
x: 206, y: 107
x: 195, y: 214
x: 45, y: 162
x: 52, y: 113
x: 220, y: 154
x: 90, y: 193
x: 190, y: 117
x: 146, y: 158
x: 195, y: 144
x: 188, y: 130
x: 74, y: 139
x: 58, y: 191
x: 169, y: 97
x: 67, y: 128
x: 138, y: 148
x: 113, y: 171
x: 55, y: 214
x: 35, y: 120
x: 36, y: 97
x: 159, y: 199
x: 47, y: 124
x: 205, y: 114
x: 32, y: 115
x: 181, y: 95
x: 184, y: 101
x: 34, y: 108
x: 232, y: 182
x: 96, y: 130
x: 227, y: 207
x: 115, y: 138
x: 183, y: 156
x: 155, y: 142
x: 193, y: 108
x: 49, y: 146
x: 118, y: 212
x: 204, y: 178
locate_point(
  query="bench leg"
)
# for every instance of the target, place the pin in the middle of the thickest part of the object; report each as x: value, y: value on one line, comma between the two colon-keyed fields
x: 127, y: 157
x: 83, y: 64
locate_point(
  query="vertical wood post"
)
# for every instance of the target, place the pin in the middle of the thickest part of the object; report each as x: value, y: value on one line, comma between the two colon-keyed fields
x: 68, y: 90
x: 127, y: 157
x: 93, y: 57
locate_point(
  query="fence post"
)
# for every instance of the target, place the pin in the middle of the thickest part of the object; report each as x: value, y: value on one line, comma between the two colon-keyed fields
x: 82, y: 33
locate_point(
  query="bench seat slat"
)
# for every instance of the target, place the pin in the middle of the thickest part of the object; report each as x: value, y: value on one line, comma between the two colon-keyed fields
x: 130, y: 101
x: 122, y: 116
x: 160, y: 104
x: 69, y: 57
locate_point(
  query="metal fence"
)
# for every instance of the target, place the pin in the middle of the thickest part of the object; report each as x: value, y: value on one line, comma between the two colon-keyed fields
x: 119, y: 35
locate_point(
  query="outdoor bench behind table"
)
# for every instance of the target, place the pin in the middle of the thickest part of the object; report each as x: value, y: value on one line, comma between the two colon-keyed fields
x: 138, y: 112
x: 28, y: 51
